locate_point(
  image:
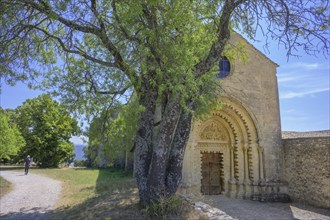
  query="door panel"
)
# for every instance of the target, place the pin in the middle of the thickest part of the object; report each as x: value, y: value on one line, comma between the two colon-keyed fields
x: 211, y: 174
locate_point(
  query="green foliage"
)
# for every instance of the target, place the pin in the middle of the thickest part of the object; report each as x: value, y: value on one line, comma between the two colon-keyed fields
x: 80, y: 163
x: 96, y: 57
x: 11, y: 139
x: 112, y: 134
x: 184, y: 34
x: 165, y: 206
x: 92, y: 54
x: 47, y: 128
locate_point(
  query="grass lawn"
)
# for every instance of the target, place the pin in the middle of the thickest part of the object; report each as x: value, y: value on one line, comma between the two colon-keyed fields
x: 79, y: 184
x: 103, y: 194
x: 94, y: 194
x: 5, y: 186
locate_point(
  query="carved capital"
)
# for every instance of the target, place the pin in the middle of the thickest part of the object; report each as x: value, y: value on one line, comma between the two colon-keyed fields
x: 245, y: 148
x: 260, y: 149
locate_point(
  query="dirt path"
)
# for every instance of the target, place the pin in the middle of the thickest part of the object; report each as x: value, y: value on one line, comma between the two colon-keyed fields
x: 32, y: 197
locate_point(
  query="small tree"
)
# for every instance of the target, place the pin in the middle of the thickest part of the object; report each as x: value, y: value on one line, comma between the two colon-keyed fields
x: 47, y: 128
x: 111, y: 136
x: 11, y: 139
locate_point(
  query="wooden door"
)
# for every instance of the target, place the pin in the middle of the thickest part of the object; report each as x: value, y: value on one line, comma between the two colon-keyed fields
x: 211, y: 174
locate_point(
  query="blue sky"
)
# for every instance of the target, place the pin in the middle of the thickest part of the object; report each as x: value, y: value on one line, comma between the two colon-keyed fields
x: 304, y: 90
x: 304, y: 94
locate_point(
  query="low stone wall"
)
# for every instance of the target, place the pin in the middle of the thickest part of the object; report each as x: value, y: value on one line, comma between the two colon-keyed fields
x: 307, y: 169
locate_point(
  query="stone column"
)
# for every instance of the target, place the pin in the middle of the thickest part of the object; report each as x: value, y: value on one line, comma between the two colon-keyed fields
x: 246, y: 164
x: 261, y: 163
x: 255, y: 166
x: 232, y: 181
x: 247, y: 182
x: 232, y: 165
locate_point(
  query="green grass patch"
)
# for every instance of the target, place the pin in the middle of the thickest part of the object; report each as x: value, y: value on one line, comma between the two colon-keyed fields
x: 80, y: 184
x: 5, y: 186
x: 95, y: 194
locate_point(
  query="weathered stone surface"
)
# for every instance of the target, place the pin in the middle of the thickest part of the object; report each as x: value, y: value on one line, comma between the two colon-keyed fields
x: 307, y: 169
x: 211, y: 212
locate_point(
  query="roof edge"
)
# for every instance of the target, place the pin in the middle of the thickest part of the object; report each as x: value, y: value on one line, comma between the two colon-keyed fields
x: 246, y: 41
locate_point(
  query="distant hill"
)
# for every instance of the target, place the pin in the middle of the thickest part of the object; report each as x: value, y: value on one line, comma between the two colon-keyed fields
x: 78, y: 150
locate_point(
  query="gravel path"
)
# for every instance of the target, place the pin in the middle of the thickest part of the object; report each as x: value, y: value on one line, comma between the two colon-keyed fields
x: 32, y: 197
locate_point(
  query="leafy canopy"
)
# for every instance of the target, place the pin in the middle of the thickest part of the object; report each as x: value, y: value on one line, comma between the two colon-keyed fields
x: 11, y: 139
x: 96, y: 53
x: 47, y: 128
x: 112, y: 135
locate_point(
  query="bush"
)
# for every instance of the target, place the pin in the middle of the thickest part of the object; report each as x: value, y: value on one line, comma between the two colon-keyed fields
x: 166, y: 206
x: 80, y: 163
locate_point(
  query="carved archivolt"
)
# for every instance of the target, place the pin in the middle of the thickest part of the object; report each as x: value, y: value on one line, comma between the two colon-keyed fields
x: 232, y: 128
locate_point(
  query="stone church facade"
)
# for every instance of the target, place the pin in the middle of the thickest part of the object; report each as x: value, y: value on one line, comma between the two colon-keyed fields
x: 237, y: 151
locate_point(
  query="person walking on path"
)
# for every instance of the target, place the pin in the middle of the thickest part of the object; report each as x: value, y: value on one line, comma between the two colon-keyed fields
x: 27, y: 164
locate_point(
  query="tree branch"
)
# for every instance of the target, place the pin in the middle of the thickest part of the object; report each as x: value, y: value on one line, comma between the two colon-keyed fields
x: 93, y: 86
x: 100, y: 33
x: 223, y: 33
x: 119, y: 61
x: 64, y: 48
x: 122, y: 28
x: 46, y: 9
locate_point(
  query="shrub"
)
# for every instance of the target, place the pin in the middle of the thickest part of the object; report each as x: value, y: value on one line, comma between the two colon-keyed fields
x: 80, y: 163
x: 166, y: 206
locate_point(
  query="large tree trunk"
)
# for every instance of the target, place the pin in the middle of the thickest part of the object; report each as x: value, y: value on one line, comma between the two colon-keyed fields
x: 175, y: 161
x: 161, y: 149
x: 143, y: 144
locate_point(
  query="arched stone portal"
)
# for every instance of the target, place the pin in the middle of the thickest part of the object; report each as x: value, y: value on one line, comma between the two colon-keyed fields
x: 243, y: 139
x: 223, y: 155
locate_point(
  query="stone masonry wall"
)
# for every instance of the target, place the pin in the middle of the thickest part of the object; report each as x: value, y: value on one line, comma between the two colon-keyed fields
x: 307, y: 169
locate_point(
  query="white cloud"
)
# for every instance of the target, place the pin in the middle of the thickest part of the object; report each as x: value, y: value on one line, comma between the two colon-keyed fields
x: 286, y: 78
x: 289, y: 110
x: 301, y: 119
x: 303, y: 79
x: 307, y: 66
x: 291, y: 95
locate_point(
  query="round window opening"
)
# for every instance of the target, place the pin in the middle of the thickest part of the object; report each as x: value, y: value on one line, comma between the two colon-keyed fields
x: 224, y: 68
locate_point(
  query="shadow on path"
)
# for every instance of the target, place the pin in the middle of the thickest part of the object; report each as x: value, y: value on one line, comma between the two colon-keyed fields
x: 253, y: 210
x: 32, y: 214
